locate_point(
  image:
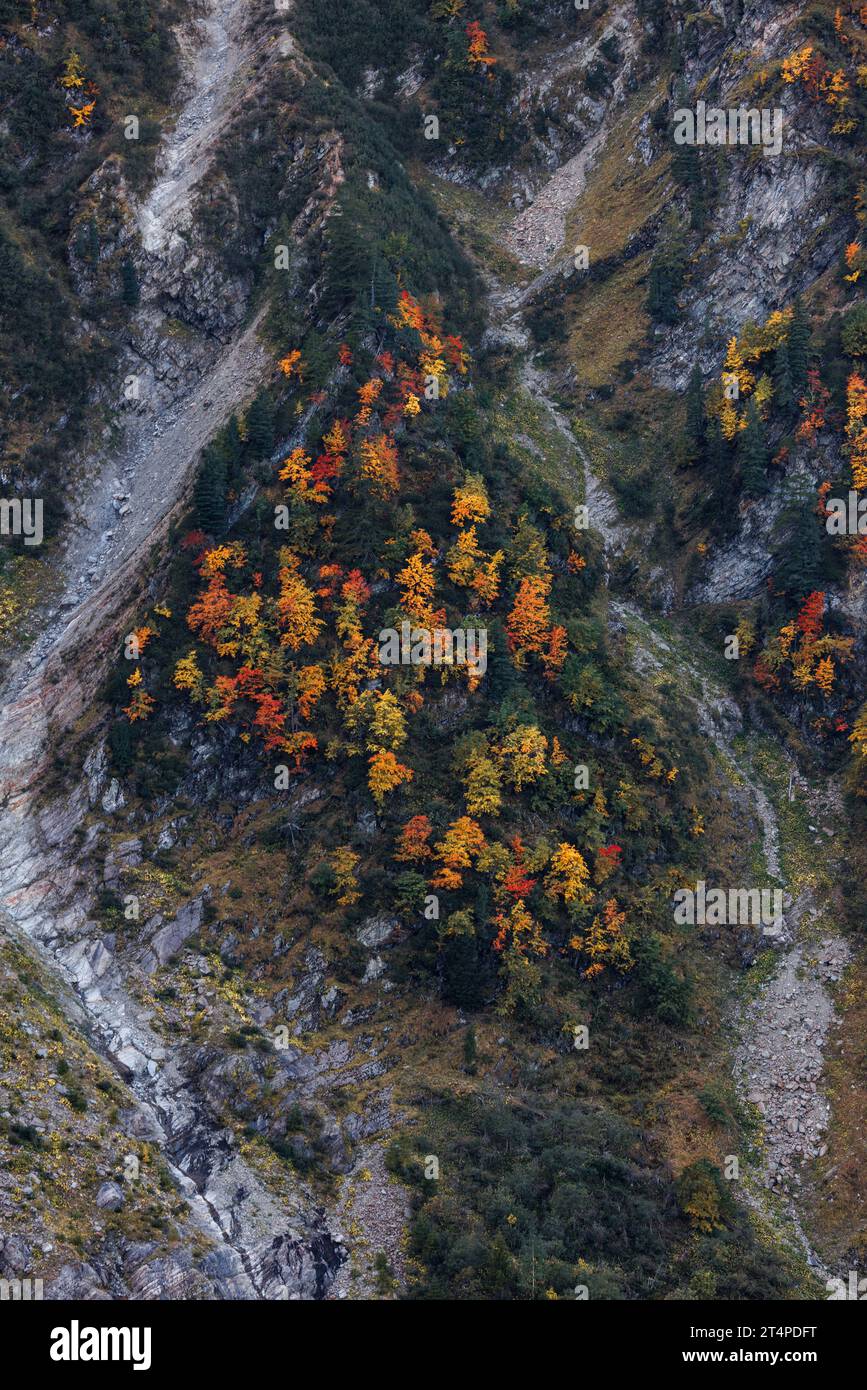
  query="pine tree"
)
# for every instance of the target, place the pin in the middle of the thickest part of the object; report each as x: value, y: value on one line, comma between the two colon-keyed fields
x: 784, y: 394
x: 698, y: 204
x: 130, y: 292
x: 800, y: 566
x: 210, y: 493
x: 234, y: 449
x: 752, y: 455
x: 665, y: 280
x: 260, y: 425
x: 384, y: 289
x: 799, y: 339
x: 716, y: 455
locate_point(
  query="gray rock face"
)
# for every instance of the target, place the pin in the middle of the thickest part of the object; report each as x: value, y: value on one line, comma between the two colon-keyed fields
x: 110, y: 1196
x: 16, y: 1256
x: 95, y: 770
x: 126, y: 855
x: 114, y: 799
x: 171, y: 937
x: 376, y: 931
x: 78, y: 1281
x: 774, y: 207
x: 258, y: 1241
x: 374, y: 969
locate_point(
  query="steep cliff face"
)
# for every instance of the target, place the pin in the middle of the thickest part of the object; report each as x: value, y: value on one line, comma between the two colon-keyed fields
x: 189, y: 355
x: 324, y: 1045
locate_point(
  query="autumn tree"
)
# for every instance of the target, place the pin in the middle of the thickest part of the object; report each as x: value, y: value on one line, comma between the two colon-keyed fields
x: 386, y: 774
x: 417, y: 582
x: 188, y: 676
x: 296, y: 606
x: 604, y: 942
x: 522, y: 755
x: 310, y: 687
x: 344, y: 864
x: 413, y: 841
x: 462, y: 842
x: 528, y: 624
x: 379, y: 465
x: 568, y: 876
x: 483, y: 784
x: 73, y: 72
x: 518, y: 930
x: 470, y: 501
x: 478, y: 54
x: 141, y: 703
x: 856, y: 429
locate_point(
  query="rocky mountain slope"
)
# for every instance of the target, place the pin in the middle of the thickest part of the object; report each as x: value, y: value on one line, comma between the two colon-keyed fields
x: 305, y: 1061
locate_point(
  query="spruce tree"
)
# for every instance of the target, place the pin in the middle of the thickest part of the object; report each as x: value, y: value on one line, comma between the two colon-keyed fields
x: 233, y: 448
x: 687, y: 168
x: 698, y: 204
x: 665, y: 280
x: 384, y: 288
x: 800, y: 566
x: 752, y: 455
x: 349, y: 253
x: 784, y: 393
x: 799, y: 339
x: 260, y: 425
x: 719, y: 511
x: 209, y: 497
x: 232, y: 440
x: 130, y: 290
x: 463, y: 982
x: 715, y: 453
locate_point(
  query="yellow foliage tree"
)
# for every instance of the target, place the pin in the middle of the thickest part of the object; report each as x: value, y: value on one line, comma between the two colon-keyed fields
x: 471, y: 501
x: 568, y: 876
x: 462, y: 842
x: 296, y: 606
x: 604, y: 943
x: 73, y: 72
x: 188, y: 676
x: 483, y: 787
x: 522, y: 754
x: 385, y: 774
x: 344, y: 862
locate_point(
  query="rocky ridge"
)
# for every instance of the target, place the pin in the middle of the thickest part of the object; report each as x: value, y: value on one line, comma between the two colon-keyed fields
x: 264, y: 1248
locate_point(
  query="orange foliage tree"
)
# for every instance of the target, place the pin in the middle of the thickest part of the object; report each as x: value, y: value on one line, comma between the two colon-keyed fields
x: 296, y: 605
x: 413, y: 841
x: 462, y: 842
